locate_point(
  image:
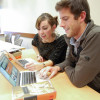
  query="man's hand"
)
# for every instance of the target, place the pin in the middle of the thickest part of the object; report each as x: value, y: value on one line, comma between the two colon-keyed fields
x: 53, y: 70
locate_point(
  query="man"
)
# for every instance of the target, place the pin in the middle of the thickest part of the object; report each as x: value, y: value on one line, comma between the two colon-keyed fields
x: 82, y: 64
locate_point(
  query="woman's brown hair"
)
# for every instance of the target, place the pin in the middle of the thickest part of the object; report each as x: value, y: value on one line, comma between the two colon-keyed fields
x: 46, y: 16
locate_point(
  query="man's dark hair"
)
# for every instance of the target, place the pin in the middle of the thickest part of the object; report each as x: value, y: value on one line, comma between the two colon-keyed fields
x: 76, y: 7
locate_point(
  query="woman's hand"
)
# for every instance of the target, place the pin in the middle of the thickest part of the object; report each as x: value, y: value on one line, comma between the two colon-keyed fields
x: 34, y: 66
x: 39, y: 58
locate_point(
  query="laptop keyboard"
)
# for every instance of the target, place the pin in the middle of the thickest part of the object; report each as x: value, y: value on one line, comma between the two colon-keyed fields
x: 23, y: 61
x: 28, y: 77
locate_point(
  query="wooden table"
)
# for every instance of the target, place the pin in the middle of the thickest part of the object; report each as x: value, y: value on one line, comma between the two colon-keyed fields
x: 65, y: 89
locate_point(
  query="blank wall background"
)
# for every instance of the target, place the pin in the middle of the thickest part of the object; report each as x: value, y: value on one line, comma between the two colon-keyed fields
x: 21, y: 15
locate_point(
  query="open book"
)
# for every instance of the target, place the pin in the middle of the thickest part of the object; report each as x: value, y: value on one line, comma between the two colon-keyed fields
x: 36, y: 91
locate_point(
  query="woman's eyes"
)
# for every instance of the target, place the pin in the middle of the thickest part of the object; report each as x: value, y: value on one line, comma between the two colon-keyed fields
x: 45, y: 28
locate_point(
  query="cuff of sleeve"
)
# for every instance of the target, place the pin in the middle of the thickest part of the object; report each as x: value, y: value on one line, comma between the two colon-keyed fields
x: 61, y: 67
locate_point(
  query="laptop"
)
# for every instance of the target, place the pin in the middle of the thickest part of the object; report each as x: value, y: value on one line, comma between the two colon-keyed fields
x: 21, y: 62
x: 12, y: 74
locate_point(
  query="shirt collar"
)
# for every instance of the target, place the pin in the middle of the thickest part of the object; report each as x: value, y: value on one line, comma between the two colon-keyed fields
x: 73, y: 41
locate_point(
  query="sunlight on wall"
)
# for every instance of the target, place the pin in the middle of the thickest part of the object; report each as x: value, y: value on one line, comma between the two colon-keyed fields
x: 10, y: 20
x: 21, y: 15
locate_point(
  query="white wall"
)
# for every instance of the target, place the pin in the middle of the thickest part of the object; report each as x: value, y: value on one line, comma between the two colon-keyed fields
x: 95, y: 10
x: 21, y: 15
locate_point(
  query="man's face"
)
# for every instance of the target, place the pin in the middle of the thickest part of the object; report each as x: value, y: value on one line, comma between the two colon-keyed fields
x: 69, y: 23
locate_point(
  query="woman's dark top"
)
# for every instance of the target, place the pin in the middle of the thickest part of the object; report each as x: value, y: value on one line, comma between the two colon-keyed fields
x: 54, y: 51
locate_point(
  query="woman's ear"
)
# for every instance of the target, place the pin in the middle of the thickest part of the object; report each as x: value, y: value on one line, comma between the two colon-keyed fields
x: 54, y: 27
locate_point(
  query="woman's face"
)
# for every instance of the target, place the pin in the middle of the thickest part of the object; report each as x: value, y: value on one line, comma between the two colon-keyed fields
x: 45, y: 30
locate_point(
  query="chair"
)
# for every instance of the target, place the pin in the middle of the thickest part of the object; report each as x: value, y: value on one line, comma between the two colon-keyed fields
x: 18, y: 42
x: 8, y: 38
x: 17, y: 36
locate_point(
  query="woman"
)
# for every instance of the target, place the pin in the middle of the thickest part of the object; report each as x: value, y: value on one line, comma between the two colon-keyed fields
x: 49, y: 47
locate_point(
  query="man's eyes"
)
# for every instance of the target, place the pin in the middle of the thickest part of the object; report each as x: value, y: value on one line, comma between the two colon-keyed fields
x: 65, y: 19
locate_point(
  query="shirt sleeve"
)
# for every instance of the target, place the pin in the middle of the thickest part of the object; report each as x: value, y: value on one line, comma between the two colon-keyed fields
x: 35, y: 40
x: 66, y: 62
x: 88, y: 65
x: 59, y: 51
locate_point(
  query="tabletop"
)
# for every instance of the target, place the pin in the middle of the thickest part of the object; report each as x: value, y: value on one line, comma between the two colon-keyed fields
x: 64, y: 88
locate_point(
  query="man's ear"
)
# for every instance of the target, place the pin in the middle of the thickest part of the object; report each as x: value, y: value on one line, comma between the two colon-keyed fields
x: 82, y: 16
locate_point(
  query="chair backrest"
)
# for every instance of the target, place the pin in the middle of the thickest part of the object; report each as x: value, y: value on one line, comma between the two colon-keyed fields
x: 8, y: 38
x: 18, y: 42
x: 17, y: 36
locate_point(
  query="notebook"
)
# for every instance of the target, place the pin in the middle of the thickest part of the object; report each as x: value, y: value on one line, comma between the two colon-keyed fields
x: 36, y: 91
x: 11, y: 73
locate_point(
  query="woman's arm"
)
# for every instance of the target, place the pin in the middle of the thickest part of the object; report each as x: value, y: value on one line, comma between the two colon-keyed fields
x: 39, y: 66
x: 36, y: 50
x: 39, y: 57
x: 48, y: 63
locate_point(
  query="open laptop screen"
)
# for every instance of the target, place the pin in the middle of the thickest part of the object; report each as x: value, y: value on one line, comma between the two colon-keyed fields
x: 8, y: 70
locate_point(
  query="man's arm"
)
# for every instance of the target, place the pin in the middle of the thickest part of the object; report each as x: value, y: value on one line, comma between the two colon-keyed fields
x: 88, y: 65
x: 66, y: 62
